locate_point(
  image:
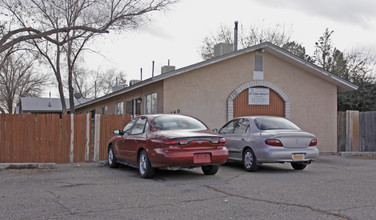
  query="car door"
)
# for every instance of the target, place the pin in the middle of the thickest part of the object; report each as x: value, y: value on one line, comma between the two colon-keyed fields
x: 136, y: 139
x: 236, y: 139
x: 227, y: 131
x: 240, y: 137
x: 121, y: 144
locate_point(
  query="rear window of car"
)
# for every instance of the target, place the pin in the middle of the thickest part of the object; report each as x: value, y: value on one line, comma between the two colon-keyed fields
x: 177, y: 122
x: 275, y: 124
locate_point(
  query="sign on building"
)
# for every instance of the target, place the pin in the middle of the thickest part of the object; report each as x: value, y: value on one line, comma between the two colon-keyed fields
x: 258, y: 96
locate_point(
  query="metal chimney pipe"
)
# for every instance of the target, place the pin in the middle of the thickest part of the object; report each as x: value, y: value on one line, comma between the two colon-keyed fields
x: 141, y: 73
x: 49, y: 102
x: 236, y: 36
x: 152, y: 70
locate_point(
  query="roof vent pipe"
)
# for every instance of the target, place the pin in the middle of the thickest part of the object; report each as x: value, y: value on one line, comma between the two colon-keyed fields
x: 236, y: 36
x: 49, y: 102
x: 152, y: 69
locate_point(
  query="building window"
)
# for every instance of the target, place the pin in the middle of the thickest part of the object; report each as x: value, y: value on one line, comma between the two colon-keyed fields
x: 129, y: 107
x: 133, y: 107
x: 104, y: 110
x: 119, y: 109
x: 151, y: 103
x: 258, y: 63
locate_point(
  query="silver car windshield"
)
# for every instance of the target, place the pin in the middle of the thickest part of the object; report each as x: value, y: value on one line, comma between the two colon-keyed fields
x: 177, y: 122
x: 275, y: 124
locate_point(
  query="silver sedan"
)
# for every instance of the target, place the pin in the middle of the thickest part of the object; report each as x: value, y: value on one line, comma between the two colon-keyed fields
x: 255, y: 140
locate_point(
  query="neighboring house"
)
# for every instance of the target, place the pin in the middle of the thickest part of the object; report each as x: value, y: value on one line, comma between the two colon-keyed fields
x: 259, y: 80
x: 43, y: 105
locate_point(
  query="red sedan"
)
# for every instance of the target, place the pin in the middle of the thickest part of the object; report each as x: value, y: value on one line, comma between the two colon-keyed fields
x: 167, y: 141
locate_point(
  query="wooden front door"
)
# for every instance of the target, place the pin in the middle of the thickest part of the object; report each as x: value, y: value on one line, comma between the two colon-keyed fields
x: 276, y: 105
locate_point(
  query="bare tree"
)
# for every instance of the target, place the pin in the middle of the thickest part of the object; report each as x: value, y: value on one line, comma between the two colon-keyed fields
x: 277, y: 35
x: 93, y: 84
x: 18, y: 79
x: 73, y: 23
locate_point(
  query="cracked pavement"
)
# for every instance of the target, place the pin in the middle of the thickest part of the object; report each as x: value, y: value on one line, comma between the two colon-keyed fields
x: 333, y: 187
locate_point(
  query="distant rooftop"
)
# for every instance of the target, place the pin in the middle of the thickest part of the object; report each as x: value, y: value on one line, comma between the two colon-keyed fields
x: 46, y: 105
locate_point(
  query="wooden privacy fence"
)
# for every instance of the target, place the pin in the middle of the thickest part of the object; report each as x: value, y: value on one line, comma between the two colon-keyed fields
x: 357, y: 131
x: 53, y: 138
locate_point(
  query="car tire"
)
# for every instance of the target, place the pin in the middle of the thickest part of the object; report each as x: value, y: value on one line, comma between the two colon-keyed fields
x: 112, y: 158
x: 144, y: 167
x: 210, y: 170
x: 298, y: 166
x: 249, y: 160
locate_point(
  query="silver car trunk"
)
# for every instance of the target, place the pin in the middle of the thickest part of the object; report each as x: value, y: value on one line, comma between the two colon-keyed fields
x: 292, y: 138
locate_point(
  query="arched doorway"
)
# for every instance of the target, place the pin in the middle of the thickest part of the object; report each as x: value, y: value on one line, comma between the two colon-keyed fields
x: 276, y: 105
x: 237, y: 102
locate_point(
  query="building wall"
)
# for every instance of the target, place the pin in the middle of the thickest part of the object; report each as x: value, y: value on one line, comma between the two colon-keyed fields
x: 140, y: 92
x: 203, y: 93
x: 209, y: 87
x: 313, y: 101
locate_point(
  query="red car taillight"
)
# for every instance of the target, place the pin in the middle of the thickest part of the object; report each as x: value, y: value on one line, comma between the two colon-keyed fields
x: 220, y: 140
x: 274, y: 142
x: 184, y: 141
x: 313, y: 142
x: 171, y: 142
x: 181, y: 141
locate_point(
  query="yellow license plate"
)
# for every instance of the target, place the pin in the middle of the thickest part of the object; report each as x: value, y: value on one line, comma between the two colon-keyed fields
x: 297, y: 156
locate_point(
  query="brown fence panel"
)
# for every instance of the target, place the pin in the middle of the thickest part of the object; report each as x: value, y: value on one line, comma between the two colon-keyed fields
x: 79, y: 137
x: 45, y: 138
x: 341, y: 131
x: 108, y: 124
x: 2, y: 135
x: 34, y: 138
x: 65, y: 138
x: 367, y: 130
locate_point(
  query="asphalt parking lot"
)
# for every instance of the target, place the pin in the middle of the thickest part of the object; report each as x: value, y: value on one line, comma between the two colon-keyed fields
x: 333, y: 187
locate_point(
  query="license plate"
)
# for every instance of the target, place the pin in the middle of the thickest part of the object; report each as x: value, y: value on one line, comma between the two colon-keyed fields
x: 298, y: 156
x: 201, y: 158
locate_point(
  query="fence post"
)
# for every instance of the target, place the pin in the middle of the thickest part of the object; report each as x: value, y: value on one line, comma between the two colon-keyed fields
x: 71, y: 154
x: 97, y: 134
x: 87, y: 137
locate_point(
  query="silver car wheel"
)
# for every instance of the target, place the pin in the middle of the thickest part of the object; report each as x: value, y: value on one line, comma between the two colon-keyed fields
x: 142, y: 164
x: 248, y: 160
x: 144, y: 167
x: 110, y: 157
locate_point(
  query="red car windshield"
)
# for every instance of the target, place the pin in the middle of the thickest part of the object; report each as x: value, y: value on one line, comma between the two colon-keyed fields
x: 177, y: 122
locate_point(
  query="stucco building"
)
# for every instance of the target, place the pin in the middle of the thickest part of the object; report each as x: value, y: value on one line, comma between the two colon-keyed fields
x: 259, y: 80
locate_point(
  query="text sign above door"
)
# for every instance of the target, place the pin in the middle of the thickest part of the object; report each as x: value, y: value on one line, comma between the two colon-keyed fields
x: 258, y: 96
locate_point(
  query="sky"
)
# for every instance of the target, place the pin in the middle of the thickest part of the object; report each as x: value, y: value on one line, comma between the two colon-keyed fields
x: 177, y: 34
